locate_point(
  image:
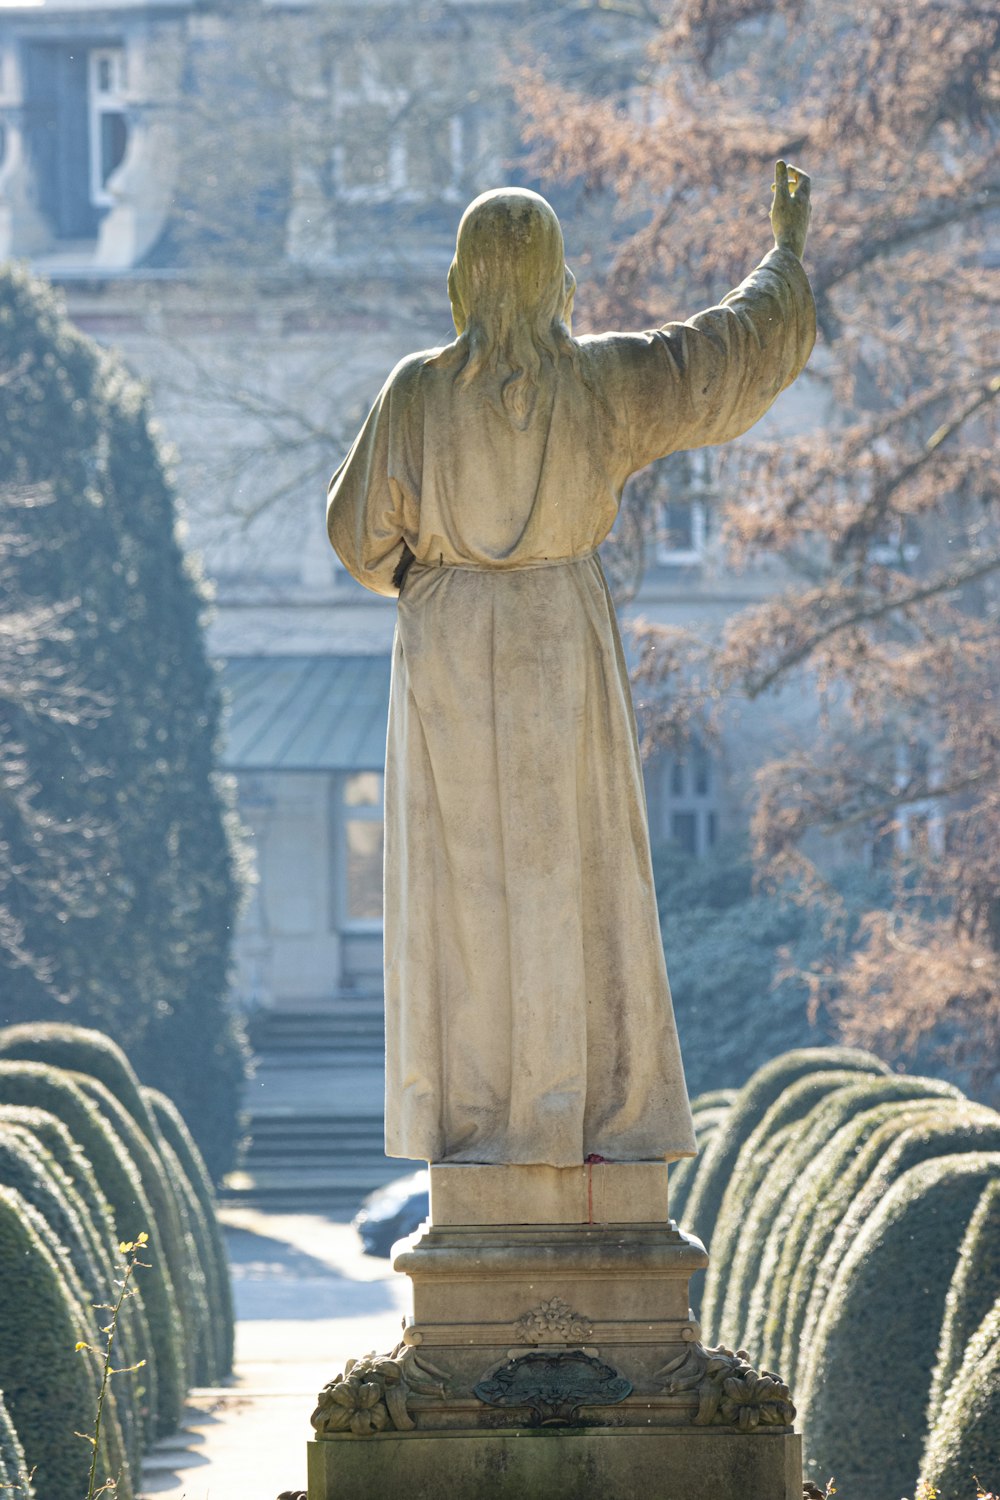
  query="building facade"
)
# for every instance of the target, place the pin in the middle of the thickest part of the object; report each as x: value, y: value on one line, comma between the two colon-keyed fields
x: 257, y: 206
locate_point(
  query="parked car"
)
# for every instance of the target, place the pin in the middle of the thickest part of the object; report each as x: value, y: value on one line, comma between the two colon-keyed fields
x: 392, y: 1212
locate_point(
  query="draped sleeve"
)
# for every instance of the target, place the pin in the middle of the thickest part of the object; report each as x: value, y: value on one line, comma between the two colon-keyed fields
x: 372, y: 499
x: 689, y: 385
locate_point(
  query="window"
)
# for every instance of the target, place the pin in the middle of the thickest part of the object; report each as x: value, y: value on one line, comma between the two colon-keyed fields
x: 75, y: 131
x: 395, y: 139
x: 916, y: 830
x: 682, y: 528
x: 362, y: 828
x: 108, y: 131
x: 682, y: 794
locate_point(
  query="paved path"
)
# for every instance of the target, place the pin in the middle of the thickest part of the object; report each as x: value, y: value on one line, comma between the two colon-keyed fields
x: 307, y: 1299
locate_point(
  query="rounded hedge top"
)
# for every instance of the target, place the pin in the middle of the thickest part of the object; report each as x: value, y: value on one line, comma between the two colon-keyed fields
x: 733, y: 1247
x: 748, y: 1108
x: 964, y: 1441
x: 770, y: 1224
x: 80, y: 1050
x: 974, y: 1288
x: 48, y: 1088
x: 870, y: 1364
x: 49, y: 1388
x: 918, y: 1133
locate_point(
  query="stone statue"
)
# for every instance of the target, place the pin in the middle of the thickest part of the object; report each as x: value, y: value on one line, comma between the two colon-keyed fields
x: 528, y: 1017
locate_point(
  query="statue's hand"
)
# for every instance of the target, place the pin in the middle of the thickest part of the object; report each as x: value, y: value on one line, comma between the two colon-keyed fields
x: 790, y: 208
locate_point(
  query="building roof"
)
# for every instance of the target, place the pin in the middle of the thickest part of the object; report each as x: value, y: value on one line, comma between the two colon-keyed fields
x: 93, y: 7
x: 305, y: 713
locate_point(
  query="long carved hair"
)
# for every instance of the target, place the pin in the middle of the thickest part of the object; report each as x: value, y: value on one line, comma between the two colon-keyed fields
x: 511, y: 295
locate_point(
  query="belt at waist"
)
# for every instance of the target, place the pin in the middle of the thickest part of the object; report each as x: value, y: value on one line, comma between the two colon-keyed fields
x: 501, y: 567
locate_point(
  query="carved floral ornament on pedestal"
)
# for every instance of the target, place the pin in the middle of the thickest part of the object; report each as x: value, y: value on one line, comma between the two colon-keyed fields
x: 730, y: 1391
x: 373, y: 1394
x: 553, y: 1321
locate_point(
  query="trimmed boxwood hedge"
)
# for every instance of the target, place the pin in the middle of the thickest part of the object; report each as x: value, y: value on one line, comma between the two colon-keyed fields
x: 749, y: 1107
x: 50, y: 1389
x: 24, y: 1168
x: 964, y: 1441
x: 80, y: 1050
x: 210, y: 1362
x: 169, y: 1232
x: 175, y: 1133
x: 708, y: 1112
x: 896, y: 1147
x: 863, y: 1402
x: 714, y: 1099
x: 826, y: 1197
x: 76, y: 1178
x: 774, y: 1211
x: 975, y: 1287
x: 725, y: 1296
x: 44, y: 1087
x: 14, y: 1481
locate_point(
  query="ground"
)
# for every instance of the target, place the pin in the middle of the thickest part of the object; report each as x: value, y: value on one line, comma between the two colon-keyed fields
x: 307, y: 1299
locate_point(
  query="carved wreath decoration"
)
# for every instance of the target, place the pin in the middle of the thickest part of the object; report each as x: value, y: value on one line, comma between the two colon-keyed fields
x: 373, y: 1393
x: 554, y: 1319
x: 730, y: 1391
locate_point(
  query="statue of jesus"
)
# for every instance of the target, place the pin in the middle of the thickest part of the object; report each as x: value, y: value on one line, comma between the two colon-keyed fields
x: 528, y: 1016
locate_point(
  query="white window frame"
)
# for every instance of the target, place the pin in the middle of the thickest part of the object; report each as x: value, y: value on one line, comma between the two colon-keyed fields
x: 669, y: 556
x: 365, y: 812
x: 102, y: 102
x: 700, y: 485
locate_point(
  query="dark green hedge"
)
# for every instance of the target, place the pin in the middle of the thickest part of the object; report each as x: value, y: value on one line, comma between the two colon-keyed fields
x: 76, y: 1178
x: 175, y: 1133
x: 14, y: 1481
x: 129, y: 931
x: 42, y: 1087
x: 78, y: 1049
x: 170, y: 1237
x: 49, y: 1388
x: 964, y: 1441
x: 774, y: 1219
x: 975, y: 1287
x: 863, y: 1403
x: 733, y: 1252
x: 749, y: 1108
x: 896, y: 1147
x: 708, y: 1112
x: 23, y: 1168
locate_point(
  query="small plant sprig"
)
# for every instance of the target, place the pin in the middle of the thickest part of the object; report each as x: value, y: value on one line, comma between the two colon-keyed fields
x: 130, y: 1251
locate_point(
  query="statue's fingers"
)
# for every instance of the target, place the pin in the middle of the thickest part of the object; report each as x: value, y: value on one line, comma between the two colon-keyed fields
x: 780, y: 184
x: 798, y: 180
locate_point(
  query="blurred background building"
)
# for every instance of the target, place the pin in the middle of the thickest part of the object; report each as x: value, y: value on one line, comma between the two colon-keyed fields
x: 257, y: 206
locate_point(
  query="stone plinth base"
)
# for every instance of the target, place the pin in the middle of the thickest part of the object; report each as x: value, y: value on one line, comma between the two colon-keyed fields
x: 559, y: 1464
x: 483, y: 1293
x: 631, y: 1192
x: 552, y: 1355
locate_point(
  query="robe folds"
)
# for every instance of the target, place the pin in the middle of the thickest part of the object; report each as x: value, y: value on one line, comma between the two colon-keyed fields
x: 528, y: 1015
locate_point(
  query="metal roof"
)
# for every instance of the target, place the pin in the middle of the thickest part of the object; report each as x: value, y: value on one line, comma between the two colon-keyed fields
x: 305, y: 713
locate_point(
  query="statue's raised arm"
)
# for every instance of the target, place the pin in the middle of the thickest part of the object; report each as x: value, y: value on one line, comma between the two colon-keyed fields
x: 707, y: 380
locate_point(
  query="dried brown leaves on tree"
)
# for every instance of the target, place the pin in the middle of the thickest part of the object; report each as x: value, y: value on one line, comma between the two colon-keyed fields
x: 880, y: 524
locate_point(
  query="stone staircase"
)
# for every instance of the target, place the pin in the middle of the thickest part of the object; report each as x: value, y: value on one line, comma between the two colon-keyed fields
x: 315, y: 1109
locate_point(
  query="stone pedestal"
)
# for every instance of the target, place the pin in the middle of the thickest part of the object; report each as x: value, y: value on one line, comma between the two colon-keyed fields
x: 551, y: 1353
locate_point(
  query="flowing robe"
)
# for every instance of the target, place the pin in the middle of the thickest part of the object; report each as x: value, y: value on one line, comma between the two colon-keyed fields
x: 528, y: 1016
